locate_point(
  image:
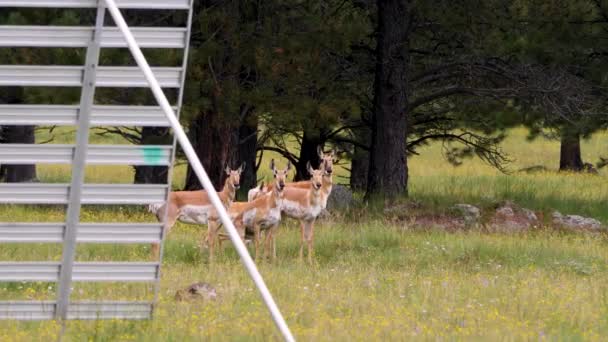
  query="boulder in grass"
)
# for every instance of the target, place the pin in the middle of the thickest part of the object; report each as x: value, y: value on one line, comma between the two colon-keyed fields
x: 576, y: 222
x: 196, y: 291
x: 510, y: 218
x: 470, y: 213
x: 340, y: 198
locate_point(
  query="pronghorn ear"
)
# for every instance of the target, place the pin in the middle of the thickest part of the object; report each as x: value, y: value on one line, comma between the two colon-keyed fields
x: 320, y: 151
x: 242, y: 167
x: 227, y: 170
x: 309, y: 168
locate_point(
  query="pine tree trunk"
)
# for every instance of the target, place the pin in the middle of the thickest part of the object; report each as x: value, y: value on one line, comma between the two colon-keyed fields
x: 570, y: 152
x: 215, y: 144
x: 388, y: 171
x: 308, y: 153
x: 145, y: 174
x: 19, y: 135
x: 248, y: 139
x: 358, y: 170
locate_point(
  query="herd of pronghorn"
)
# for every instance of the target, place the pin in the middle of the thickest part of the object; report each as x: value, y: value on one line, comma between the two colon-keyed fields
x: 262, y: 213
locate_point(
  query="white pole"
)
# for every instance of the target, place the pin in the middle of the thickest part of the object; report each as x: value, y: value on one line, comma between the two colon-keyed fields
x: 200, y: 172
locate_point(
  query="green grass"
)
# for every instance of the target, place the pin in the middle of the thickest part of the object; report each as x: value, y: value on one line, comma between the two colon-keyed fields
x: 374, y: 278
x: 371, y: 281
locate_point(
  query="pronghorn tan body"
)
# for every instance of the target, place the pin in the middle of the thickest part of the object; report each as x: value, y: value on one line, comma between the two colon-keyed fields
x: 327, y: 162
x: 261, y: 214
x: 305, y: 205
x: 296, y: 207
x: 194, y: 207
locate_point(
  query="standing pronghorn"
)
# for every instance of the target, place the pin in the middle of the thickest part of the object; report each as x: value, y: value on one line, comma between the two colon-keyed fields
x: 307, y: 227
x: 194, y: 207
x: 263, y: 213
x: 326, y: 163
x: 305, y: 205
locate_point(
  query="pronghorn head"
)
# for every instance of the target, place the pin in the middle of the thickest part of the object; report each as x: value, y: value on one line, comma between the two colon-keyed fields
x: 316, y: 176
x: 279, y: 175
x: 234, y: 176
x: 327, y: 160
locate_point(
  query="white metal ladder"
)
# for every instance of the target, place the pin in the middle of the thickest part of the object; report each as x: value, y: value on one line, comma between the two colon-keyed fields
x: 88, y: 77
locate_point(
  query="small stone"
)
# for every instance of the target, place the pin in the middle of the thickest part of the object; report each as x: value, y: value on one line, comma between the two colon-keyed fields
x: 199, y: 290
x: 340, y: 198
x: 575, y: 222
x: 470, y: 212
x: 511, y: 218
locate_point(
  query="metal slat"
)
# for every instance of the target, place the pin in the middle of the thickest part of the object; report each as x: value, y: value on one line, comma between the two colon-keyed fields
x: 32, y: 193
x: 135, y: 4
x: 107, y: 310
x: 71, y: 76
x: 83, y: 271
x: 27, y: 310
x: 33, y: 75
x: 129, y: 155
x: 31, y: 232
x: 44, y: 310
x: 115, y: 271
x: 66, y: 115
x: 78, y: 36
x: 119, y: 232
x: 123, y: 193
x: 96, y: 154
x: 168, y: 77
x: 87, y: 232
x: 127, y: 116
x: 29, y: 271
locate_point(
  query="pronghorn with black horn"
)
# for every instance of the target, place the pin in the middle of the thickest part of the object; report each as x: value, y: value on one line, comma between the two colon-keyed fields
x: 194, y: 207
x: 305, y: 205
x: 306, y: 226
x: 326, y: 164
x: 261, y: 214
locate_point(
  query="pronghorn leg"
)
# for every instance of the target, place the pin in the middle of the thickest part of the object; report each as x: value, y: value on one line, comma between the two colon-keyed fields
x: 302, y: 240
x: 267, y: 243
x: 256, y: 240
x: 211, y: 238
x: 273, y: 238
x: 169, y: 220
x: 309, y: 239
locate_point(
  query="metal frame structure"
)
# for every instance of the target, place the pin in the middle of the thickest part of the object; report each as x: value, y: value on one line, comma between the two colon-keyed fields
x: 76, y: 193
x: 88, y: 77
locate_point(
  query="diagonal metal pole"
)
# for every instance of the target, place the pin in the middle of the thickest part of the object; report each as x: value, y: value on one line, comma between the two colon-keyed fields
x: 87, y: 99
x: 200, y: 171
x: 180, y: 99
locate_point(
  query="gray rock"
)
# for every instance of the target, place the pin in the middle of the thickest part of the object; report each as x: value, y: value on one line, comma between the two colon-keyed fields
x: 469, y: 212
x: 505, y: 211
x: 197, y: 291
x: 576, y: 222
x: 511, y: 218
x: 530, y: 214
x: 340, y: 198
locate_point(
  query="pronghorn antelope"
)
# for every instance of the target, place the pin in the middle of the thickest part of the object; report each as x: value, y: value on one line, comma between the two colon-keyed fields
x: 326, y: 162
x: 263, y: 213
x: 306, y: 225
x: 305, y: 205
x: 194, y: 207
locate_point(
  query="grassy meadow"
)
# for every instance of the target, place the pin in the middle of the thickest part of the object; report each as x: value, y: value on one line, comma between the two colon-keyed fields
x: 374, y: 278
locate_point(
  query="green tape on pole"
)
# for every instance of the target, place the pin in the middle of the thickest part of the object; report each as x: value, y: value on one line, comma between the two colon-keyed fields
x: 153, y: 155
